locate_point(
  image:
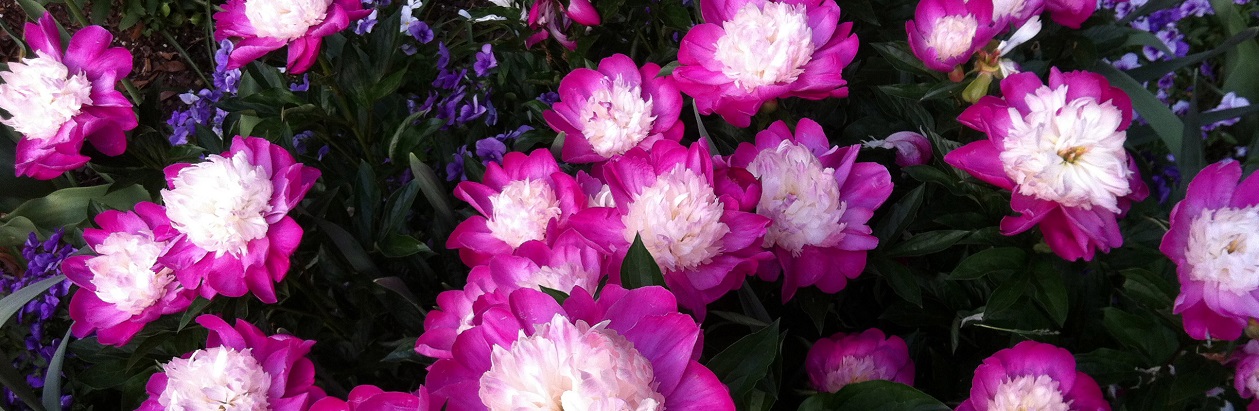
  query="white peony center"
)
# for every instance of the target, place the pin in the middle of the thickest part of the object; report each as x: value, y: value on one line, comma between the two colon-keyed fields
x: 41, y: 95
x: 1223, y: 248
x: 1028, y: 393
x: 123, y: 271
x: 285, y: 19
x: 800, y: 196
x: 522, y: 211
x: 566, y: 366
x: 951, y: 36
x: 766, y: 45
x: 616, y: 118
x: 221, y: 203
x: 679, y: 219
x: 1252, y: 383
x: 1002, y: 9
x: 1070, y: 153
x: 853, y: 370
x: 563, y: 277
x: 215, y: 379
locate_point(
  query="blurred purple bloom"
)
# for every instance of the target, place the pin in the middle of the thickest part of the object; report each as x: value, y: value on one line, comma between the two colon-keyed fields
x: 549, y: 97
x: 365, y: 25
x: 1127, y: 62
x: 443, y: 56
x: 43, y: 261
x: 304, y: 85
x: 490, y: 149
x: 484, y: 61
x: 1230, y: 100
x: 454, y: 169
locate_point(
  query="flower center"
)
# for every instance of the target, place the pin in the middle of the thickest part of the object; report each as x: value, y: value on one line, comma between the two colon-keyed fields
x: 800, y: 196
x: 221, y: 203
x: 679, y: 219
x: 41, y: 95
x: 285, y: 19
x: 563, y: 277
x: 853, y: 370
x: 1070, y: 153
x: 617, y: 118
x: 123, y: 272
x: 951, y: 36
x: 766, y: 45
x: 1028, y: 393
x: 522, y: 211
x: 215, y: 379
x: 1002, y: 9
x: 1222, y: 248
x: 566, y: 366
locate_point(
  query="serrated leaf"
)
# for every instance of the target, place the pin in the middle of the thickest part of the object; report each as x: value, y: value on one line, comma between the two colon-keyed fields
x: 989, y: 261
x: 877, y: 395
x: 639, y: 268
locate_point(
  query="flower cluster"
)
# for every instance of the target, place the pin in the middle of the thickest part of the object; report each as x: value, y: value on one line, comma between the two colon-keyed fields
x: 44, y: 260
x: 457, y: 97
x: 200, y: 109
x: 259, y: 27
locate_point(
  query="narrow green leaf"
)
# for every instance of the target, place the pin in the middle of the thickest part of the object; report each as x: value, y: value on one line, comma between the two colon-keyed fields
x: 1006, y: 295
x: 876, y: 395
x: 192, y: 312
x: 1155, y: 341
x: 639, y: 269
x: 897, y: 53
x: 988, y: 261
x: 1154, y: 70
x: 1051, y: 291
x: 1161, y: 118
x: 396, y: 285
x: 901, y: 214
x: 69, y: 206
x: 747, y: 361
x: 52, y: 376
x: 433, y: 190
x: 12, y: 303
x: 399, y: 245
x: 558, y: 295
x: 927, y: 243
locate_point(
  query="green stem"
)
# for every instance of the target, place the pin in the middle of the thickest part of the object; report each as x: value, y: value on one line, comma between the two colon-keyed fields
x: 184, y: 53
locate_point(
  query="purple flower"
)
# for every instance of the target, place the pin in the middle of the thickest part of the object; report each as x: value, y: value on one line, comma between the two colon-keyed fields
x: 470, y: 111
x: 420, y: 31
x: 490, y: 149
x: 549, y: 97
x: 449, y: 80
x: 366, y: 24
x: 1230, y: 100
x: 225, y: 80
x: 302, y: 86
x: 454, y: 169
x: 484, y: 61
x: 43, y: 261
x: 200, y: 111
x: 1127, y: 62
x: 443, y: 56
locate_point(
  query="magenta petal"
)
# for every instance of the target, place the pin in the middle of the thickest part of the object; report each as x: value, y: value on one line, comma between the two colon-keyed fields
x: 42, y: 35
x: 251, y: 49
x: 700, y: 390
x: 982, y: 160
x: 85, y: 48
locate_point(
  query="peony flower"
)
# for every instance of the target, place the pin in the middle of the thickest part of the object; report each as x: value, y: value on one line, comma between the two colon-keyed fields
x: 1247, y: 379
x: 372, y: 398
x: 123, y: 287
x: 524, y: 199
x: 1214, y: 241
x: 551, y: 18
x: 946, y: 33
x: 748, y: 52
x: 58, y: 99
x: 605, y: 113
x: 628, y: 349
x: 231, y: 212
x: 912, y: 149
x: 240, y: 369
x: 1070, y: 13
x: 261, y: 26
x: 1006, y: 13
x: 1032, y: 376
x: 1059, y: 149
x: 818, y: 199
x: 457, y: 311
x: 702, y: 242
x: 844, y: 359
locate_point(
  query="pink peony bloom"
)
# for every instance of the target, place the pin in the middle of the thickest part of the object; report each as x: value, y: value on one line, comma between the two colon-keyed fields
x: 551, y: 18
x: 123, y: 287
x: 1032, y: 376
x: 231, y: 212
x: 946, y: 33
x: 705, y: 245
x: 1006, y: 13
x: 372, y: 398
x: 240, y: 368
x: 846, y: 359
x: 912, y: 149
x: 748, y: 52
x: 1214, y: 241
x: 1247, y: 379
x: 628, y: 349
x: 818, y: 199
x: 1070, y: 13
x: 58, y: 99
x: 261, y: 26
x: 457, y: 311
x: 1059, y: 149
x: 605, y: 113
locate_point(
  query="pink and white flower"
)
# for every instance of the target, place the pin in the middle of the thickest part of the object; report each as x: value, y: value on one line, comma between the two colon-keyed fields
x: 551, y: 18
x: 1006, y: 13
x: 1032, y: 376
x: 1059, y: 149
x: 704, y: 244
x: 261, y: 26
x: 123, y: 287
x: 912, y: 149
x: 1246, y: 380
x: 457, y: 311
x: 605, y: 113
x: 946, y: 33
x: 231, y: 212
x: 1214, y: 241
x: 527, y: 198
x: 58, y: 99
x: 1070, y: 13
x: 241, y: 369
x: 628, y: 349
x: 818, y: 199
x: 372, y: 398
x: 844, y: 359
x: 748, y: 52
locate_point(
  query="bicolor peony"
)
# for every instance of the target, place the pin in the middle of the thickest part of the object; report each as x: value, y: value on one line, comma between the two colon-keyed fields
x: 231, y: 212
x: 457, y: 311
x: 605, y: 113
x: 1214, y: 241
x: 1033, y: 376
x: 912, y: 149
x: 704, y: 244
x: 262, y: 26
x: 1059, y: 149
x: 1246, y: 380
x: 58, y: 99
x: 372, y: 398
x: 240, y: 369
x: 748, y: 52
x: 123, y: 287
x: 946, y: 33
x: 551, y: 18
x: 818, y: 199
x: 524, y: 199
x: 844, y: 359
x: 627, y: 349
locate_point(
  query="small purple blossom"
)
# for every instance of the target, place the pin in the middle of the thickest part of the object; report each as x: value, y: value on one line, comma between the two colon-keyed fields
x: 484, y: 61
x: 225, y: 81
x: 454, y: 169
x: 550, y: 97
x: 304, y: 85
x: 1127, y: 62
x: 365, y: 25
x: 420, y: 31
x: 490, y: 149
x: 43, y: 261
x: 1230, y: 100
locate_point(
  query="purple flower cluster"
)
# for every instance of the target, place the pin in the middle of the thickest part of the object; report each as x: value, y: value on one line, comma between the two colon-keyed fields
x: 43, y: 261
x: 200, y: 104
x: 489, y: 149
x: 421, y: 32
x: 457, y: 97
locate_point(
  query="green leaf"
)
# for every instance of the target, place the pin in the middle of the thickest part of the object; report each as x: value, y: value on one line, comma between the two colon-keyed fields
x: 639, y: 269
x: 52, y: 376
x: 980, y: 264
x: 558, y: 295
x: 15, y: 231
x: 406, y: 137
x: 1154, y: 70
x: 898, y: 54
x: 12, y: 303
x: 192, y: 312
x: 1051, y: 291
x: 1161, y: 118
x: 927, y: 243
x: 397, y: 207
x: 433, y: 190
x: 396, y: 285
x: 1148, y: 288
x: 1142, y: 333
x: 747, y: 361
x: 400, y: 245
x: 69, y: 206
x: 1006, y: 295
x: 901, y: 279
x: 876, y: 395
x: 902, y: 213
